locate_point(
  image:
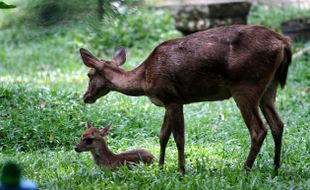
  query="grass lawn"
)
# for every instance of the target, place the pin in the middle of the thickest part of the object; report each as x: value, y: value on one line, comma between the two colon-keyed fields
x: 42, y: 117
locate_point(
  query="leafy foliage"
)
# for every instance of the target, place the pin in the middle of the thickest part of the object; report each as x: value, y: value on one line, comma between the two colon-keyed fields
x: 44, y: 13
x: 3, y: 5
x: 138, y: 28
x: 273, y: 16
x: 42, y: 116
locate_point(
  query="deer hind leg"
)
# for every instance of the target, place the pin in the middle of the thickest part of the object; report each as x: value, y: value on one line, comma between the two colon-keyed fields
x: 267, y: 105
x: 247, y: 99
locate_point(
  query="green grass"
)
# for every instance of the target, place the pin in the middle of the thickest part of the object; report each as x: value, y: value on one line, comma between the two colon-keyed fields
x: 42, y: 117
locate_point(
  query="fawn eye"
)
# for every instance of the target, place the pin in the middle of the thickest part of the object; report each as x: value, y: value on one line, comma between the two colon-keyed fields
x: 88, y: 141
x: 88, y: 75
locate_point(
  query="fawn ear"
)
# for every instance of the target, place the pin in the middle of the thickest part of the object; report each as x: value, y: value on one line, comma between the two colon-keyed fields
x: 105, y: 131
x: 88, y: 125
x: 119, y: 57
x: 88, y: 59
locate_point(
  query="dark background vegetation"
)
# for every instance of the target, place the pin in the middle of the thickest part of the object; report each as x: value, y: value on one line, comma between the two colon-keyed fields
x: 42, y: 115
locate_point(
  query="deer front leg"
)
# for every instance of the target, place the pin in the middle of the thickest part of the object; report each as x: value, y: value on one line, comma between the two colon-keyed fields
x: 178, y: 134
x: 165, y: 133
x: 173, y: 122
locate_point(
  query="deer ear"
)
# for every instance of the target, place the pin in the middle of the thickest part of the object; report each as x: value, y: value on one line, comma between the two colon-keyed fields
x: 88, y: 125
x: 105, y: 131
x: 88, y: 59
x: 119, y: 57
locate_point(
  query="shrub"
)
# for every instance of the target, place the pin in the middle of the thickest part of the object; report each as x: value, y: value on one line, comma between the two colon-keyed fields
x: 139, y: 28
x: 273, y: 16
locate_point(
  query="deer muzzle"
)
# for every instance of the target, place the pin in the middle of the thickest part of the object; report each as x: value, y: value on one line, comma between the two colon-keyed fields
x: 77, y: 148
x: 87, y: 99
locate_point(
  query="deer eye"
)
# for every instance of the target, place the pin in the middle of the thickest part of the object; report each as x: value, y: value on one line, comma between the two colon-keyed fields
x: 88, y: 141
x: 88, y: 75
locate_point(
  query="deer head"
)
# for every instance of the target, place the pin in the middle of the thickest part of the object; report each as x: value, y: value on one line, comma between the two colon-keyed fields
x: 91, y: 138
x: 99, y: 84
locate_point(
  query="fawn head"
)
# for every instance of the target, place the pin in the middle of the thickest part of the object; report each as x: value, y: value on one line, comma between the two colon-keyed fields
x: 91, y: 137
x: 98, y: 84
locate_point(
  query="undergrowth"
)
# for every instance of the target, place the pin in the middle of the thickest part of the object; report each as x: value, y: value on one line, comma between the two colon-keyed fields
x: 42, y: 115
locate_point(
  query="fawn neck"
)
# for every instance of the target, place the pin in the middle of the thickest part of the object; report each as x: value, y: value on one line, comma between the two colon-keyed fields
x: 102, y: 154
x: 126, y: 82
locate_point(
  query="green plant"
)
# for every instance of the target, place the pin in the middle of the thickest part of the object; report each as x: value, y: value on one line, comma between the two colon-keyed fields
x: 139, y: 28
x: 273, y: 16
x: 44, y: 13
x: 3, y: 5
x: 42, y: 117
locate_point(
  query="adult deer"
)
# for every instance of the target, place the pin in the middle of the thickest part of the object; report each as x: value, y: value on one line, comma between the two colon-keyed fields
x: 240, y: 61
x: 93, y: 140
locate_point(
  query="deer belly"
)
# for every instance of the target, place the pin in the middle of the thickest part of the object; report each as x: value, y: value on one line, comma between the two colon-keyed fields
x: 156, y: 101
x: 208, y: 94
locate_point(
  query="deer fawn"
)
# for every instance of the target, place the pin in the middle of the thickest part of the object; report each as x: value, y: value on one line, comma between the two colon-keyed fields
x: 92, y: 140
x: 245, y: 62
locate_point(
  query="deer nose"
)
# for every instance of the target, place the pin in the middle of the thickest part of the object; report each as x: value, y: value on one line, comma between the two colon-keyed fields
x: 86, y: 98
x: 85, y: 95
x: 76, y: 148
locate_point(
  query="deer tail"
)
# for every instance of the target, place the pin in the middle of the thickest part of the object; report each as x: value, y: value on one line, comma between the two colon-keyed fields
x: 287, y: 59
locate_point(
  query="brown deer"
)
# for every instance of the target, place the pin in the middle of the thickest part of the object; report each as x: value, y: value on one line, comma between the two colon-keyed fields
x: 240, y: 61
x: 93, y: 141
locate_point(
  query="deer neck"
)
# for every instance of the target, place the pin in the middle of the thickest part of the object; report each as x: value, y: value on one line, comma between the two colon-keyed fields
x: 102, y: 154
x: 126, y: 82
